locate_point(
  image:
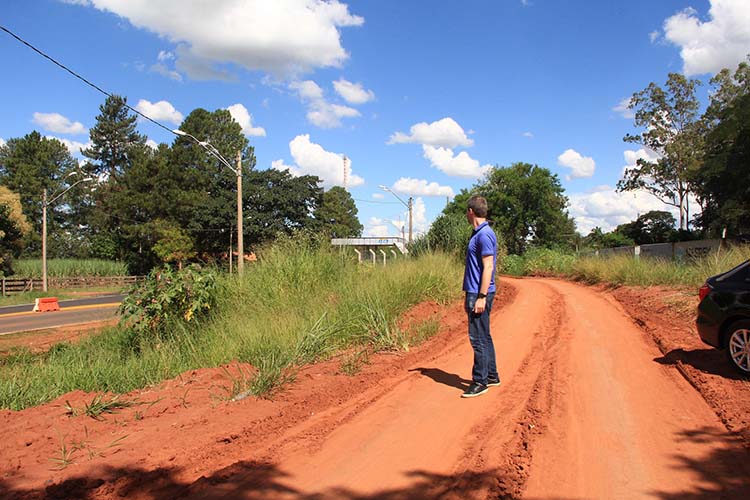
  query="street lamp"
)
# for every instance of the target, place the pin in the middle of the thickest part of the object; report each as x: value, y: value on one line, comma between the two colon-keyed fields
x: 238, y: 172
x: 408, y: 205
x: 45, y: 204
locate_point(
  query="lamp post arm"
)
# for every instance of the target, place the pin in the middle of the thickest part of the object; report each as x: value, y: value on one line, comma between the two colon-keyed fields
x: 208, y: 147
x: 52, y: 200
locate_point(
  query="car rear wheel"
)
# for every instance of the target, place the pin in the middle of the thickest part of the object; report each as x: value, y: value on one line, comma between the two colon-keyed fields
x: 738, y: 345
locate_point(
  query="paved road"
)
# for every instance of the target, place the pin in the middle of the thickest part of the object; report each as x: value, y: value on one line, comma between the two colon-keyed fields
x: 14, y: 319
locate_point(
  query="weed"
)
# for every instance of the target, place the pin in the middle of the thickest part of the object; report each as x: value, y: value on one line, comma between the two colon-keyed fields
x: 99, y: 406
x: 183, y: 399
x: 272, y: 374
x: 424, y: 330
x: 352, y: 362
x: 65, y: 455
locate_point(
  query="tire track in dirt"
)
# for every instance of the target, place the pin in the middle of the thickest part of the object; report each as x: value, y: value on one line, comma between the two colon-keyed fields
x: 417, y: 439
x: 623, y: 425
x: 526, y: 405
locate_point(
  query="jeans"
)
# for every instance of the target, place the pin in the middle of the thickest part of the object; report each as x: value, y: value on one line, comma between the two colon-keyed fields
x: 485, y: 365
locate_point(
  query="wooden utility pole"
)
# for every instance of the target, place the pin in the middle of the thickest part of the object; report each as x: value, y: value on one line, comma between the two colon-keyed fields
x: 240, y: 242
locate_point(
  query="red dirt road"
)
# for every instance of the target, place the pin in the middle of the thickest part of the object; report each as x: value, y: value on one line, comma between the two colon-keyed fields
x: 585, y: 410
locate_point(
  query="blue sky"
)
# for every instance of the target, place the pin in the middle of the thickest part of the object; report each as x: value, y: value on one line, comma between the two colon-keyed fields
x: 421, y: 95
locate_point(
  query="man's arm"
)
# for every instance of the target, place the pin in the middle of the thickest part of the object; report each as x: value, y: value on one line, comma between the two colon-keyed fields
x: 488, y: 262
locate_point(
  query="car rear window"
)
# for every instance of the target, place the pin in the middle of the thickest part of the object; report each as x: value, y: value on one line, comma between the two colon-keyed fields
x: 738, y: 274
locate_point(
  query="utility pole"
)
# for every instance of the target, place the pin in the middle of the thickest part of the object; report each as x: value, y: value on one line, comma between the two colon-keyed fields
x: 411, y: 203
x: 240, y: 241
x: 44, y: 240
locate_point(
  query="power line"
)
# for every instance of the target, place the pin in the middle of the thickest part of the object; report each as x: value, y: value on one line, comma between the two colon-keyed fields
x: 81, y: 77
x: 380, y: 202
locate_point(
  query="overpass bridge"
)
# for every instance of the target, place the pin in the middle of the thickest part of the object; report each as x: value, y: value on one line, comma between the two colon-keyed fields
x: 373, y: 248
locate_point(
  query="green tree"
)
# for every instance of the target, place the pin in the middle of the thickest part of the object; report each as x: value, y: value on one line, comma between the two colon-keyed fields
x: 13, y: 227
x: 28, y: 166
x: 673, y: 130
x: 279, y: 203
x: 449, y: 233
x: 598, y: 239
x: 337, y: 214
x: 527, y: 204
x: 173, y: 244
x: 112, y: 138
x: 206, y: 195
x: 656, y: 226
x: 116, y: 147
x: 722, y: 180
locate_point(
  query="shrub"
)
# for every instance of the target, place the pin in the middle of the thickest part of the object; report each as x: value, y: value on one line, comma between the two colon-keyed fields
x: 168, y: 297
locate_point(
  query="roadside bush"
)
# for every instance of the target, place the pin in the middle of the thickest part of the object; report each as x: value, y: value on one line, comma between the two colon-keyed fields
x: 168, y: 297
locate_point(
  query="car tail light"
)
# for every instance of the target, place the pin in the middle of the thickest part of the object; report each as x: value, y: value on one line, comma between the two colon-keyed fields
x: 704, y: 291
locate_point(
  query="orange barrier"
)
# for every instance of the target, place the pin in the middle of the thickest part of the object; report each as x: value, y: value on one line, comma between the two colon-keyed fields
x: 46, y: 304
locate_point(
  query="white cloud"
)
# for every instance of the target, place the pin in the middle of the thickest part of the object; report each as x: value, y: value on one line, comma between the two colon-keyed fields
x: 77, y: 2
x: 245, y: 119
x: 460, y: 165
x: 163, y: 70
x: 528, y: 135
x: 74, y: 147
x: 579, y: 165
x: 353, y: 93
x: 165, y: 55
x: 623, y: 109
x: 376, y: 227
x: 159, y: 111
x: 320, y: 112
x: 445, y: 133
x: 654, y: 36
x: 312, y: 159
x: 606, y: 208
x: 378, y: 196
x: 420, y: 187
x: 632, y: 156
x: 286, y: 37
x: 57, y: 123
x: 2, y: 142
x: 721, y: 42
x: 152, y: 144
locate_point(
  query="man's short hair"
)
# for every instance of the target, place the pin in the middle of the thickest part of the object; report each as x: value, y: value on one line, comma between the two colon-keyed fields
x: 478, y: 205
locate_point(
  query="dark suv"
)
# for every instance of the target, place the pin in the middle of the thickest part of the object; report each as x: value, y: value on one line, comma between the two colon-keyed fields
x: 724, y: 315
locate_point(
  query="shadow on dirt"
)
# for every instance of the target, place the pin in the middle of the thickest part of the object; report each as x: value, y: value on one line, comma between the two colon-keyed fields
x: 724, y: 473
x: 252, y: 480
x: 445, y: 378
x: 706, y: 360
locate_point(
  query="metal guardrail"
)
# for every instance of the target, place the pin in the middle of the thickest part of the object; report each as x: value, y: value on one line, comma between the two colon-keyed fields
x: 19, y: 285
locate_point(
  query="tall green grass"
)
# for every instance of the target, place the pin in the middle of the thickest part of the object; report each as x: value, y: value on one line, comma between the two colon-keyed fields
x: 301, y: 302
x: 624, y: 269
x: 68, y: 268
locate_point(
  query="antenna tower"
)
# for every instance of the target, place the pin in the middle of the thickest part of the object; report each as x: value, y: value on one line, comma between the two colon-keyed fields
x: 346, y: 171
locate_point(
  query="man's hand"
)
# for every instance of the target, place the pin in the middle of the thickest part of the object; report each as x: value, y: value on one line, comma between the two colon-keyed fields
x: 480, y: 305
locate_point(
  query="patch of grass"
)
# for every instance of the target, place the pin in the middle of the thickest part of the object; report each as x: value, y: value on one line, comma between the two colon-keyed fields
x: 625, y: 269
x: 301, y: 302
x: 424, y: 330
x: 64, y: 456
x: 99, y: 406
x: 68, y: 268
x: 352, y: 362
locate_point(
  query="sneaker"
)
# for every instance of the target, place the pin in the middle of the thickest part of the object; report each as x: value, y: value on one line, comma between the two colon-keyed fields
x: 491, y: 382
x: 474, y: 390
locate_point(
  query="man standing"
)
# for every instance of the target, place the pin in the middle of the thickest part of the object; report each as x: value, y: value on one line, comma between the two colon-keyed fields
x: 479, y: 286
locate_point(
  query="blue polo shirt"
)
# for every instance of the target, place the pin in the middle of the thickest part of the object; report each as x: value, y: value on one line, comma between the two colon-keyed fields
x: 483, y: 242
